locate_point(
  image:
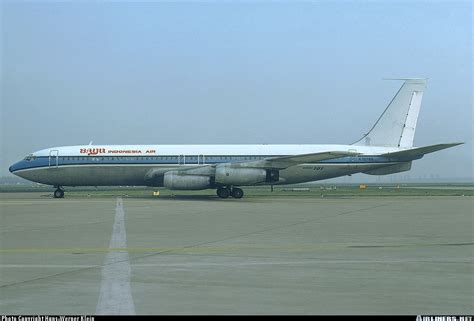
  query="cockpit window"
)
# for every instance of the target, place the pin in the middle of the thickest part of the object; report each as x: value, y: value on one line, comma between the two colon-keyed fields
x: 30, y: 157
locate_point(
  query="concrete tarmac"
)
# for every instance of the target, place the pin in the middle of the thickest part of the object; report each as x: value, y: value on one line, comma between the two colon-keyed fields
x: 204, y: 255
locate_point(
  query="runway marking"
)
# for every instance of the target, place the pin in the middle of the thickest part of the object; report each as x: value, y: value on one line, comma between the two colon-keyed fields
x: 49, y: 202
x: 16, y: 203
x: 115, y: 291
x: 227, y: 248
x: 41, y: 266
x: 308, y: 261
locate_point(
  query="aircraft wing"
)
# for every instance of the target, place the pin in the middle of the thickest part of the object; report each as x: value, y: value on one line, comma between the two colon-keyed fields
x: 287, y: 161
x: 268, y: 163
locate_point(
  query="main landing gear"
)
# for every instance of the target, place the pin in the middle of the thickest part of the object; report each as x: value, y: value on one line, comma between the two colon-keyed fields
x: 225, y: 192
x: 59, y: 192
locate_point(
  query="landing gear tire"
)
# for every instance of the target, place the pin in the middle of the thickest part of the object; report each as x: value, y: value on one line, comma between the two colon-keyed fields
x: 59, y: 193
x: 237, y: 193
x: 223, y: 192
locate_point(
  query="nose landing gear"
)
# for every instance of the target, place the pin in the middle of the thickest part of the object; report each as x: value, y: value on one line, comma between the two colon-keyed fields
x: 59, y: 192
x: 225, y: 192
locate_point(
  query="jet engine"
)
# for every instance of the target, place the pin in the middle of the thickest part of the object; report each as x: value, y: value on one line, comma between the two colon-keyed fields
x: 226, y: 174
x: 174, y: 180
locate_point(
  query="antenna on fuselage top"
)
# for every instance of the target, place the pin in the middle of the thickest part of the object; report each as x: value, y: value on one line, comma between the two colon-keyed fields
x: 90, y: 143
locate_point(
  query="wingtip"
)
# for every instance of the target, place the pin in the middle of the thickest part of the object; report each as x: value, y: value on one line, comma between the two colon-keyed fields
x: 455, y: 144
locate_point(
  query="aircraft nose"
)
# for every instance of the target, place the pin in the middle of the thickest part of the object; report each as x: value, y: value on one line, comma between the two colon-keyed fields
x: 14, y: 167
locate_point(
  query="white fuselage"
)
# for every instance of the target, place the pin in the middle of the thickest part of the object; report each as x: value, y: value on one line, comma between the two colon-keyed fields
x: 109, y: 165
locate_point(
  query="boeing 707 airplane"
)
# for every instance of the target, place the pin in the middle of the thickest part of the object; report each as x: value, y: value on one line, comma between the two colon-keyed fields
x: 386, y: 149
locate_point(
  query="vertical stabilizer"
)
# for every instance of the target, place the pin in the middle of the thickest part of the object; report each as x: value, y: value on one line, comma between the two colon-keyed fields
x: 396, y: 126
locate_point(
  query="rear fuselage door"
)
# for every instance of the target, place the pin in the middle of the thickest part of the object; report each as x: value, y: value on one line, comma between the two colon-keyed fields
x: 181, y: 160
x: 201, y: 160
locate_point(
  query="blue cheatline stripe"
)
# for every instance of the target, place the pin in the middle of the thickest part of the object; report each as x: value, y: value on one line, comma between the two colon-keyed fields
x: 45, y: 161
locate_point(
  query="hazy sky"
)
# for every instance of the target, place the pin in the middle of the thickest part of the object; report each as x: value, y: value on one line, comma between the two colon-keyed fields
x: 232, y: 72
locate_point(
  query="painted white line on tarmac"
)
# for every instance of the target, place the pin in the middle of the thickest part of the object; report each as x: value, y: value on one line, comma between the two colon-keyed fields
x: 246, y: 264
x: 115, y: 290
x: 294, y: 263
x: 42, y: 266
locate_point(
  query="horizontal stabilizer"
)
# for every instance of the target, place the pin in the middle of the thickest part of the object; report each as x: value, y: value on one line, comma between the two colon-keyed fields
x: 420, y: 151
